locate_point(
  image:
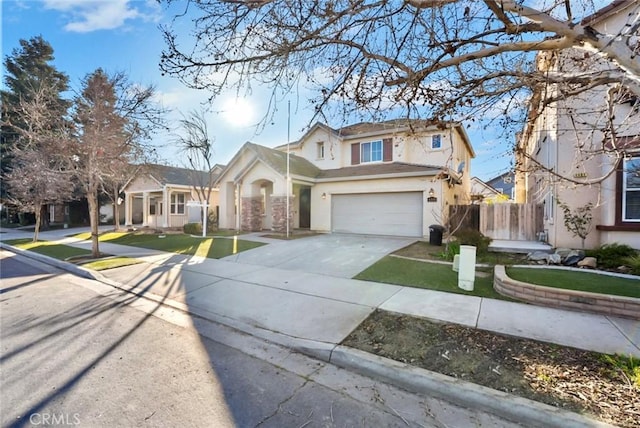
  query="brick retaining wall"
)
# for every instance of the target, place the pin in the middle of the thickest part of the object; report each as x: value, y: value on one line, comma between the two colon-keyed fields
x: 628, y: 307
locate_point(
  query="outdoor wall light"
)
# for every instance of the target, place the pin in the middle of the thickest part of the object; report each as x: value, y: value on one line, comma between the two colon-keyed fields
x: 432, y: 193
x: 324, y: 196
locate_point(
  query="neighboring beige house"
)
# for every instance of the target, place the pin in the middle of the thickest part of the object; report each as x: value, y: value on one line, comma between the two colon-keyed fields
x: 481, y: 191
x: 391, y: 178
x: 572, y: 138
x: 162, y: 196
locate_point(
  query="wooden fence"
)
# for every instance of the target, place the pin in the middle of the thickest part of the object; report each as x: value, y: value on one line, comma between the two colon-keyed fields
x: 500, y: 221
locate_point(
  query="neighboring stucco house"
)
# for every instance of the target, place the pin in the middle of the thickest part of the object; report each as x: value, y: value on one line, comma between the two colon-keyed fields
x: 391, y: 178
x: 481, y: 191
x: 160, y: 195
x: 594, y: 144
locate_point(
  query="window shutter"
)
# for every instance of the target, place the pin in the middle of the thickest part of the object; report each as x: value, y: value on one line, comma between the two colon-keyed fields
x: 355, y: 154
x: 387, y: 150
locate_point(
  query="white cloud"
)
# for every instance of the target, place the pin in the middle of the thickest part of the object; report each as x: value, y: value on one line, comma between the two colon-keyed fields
x: 91, y: 15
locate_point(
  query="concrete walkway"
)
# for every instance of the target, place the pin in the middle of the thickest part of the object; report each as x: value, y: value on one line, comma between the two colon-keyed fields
x: 261, y: 293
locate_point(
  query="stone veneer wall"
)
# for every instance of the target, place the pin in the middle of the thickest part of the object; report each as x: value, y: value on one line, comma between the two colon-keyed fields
x: 278, y: 210
x: 251, y: 213
x: 557, y: 297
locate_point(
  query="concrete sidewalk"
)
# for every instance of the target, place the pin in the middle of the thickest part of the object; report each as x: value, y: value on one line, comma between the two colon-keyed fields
x: 313, y: 312
x: 295, y: 302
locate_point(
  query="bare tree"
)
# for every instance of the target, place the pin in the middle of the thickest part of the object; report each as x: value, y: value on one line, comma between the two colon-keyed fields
x: 195, y: 142
x: 424, y: 58
x: 39, y: 172
x: 113, y: 118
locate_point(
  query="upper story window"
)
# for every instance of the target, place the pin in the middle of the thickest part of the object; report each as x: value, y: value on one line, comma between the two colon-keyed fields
x: 436, y: 141
x: 320, y: 150
x: 371, y: 152
x: 177, y: 203
x: 631, y: 190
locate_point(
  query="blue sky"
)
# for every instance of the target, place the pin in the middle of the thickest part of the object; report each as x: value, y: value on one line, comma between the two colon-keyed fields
x: 123, y: 35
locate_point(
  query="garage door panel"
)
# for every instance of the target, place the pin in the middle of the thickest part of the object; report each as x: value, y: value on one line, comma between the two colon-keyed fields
x: 397, y: 214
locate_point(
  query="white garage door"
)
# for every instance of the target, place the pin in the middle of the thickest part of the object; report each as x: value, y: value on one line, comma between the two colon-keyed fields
x: 398, y: 214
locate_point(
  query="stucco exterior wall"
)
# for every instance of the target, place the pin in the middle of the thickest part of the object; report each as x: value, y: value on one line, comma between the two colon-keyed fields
x: 332, y: 149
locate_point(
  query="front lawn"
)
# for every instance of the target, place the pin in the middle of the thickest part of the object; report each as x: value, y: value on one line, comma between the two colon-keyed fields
x: 48, y: 248
x: 580, y: 281
x: 432, y: 276
x: 213, y: 248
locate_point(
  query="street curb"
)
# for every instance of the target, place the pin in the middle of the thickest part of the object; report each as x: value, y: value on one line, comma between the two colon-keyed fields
x: 69, y: 267
x: 410, y: 378
x: 460, y: 392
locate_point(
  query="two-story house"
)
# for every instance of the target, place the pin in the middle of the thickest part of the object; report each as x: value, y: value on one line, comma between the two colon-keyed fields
x: 391, y: 178
x: 584, y: 150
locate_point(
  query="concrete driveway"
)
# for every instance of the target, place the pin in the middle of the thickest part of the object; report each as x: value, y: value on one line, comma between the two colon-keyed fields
x: 338, y: 255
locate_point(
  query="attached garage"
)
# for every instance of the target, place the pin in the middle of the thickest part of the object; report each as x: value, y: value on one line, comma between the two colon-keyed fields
x: 398, y: 214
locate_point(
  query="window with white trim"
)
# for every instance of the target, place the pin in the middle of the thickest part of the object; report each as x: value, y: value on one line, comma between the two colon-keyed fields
x: 371, y: 152
x: 631, y: 190
x: 177, y: 203
x: 320, y: 147
x: 436, y: 141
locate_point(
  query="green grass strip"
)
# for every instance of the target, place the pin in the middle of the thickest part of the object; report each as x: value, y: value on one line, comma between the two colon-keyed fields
x: 579, y: 281
x: 48, y: 248
x: 213, y: 248
x: 432, y: 276
x: 111, y: 263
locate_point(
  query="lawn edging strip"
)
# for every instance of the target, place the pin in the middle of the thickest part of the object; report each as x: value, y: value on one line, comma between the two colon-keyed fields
x: 607, y: 304
x: 517, y: 409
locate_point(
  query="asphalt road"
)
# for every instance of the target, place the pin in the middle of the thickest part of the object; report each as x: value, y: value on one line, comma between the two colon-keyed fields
x: 79, y: 353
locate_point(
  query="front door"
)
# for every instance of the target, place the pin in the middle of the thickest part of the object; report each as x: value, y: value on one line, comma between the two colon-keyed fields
x: 305, y: 208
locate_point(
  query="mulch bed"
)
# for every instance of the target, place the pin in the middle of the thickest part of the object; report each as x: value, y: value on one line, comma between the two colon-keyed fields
x: 573, y: 379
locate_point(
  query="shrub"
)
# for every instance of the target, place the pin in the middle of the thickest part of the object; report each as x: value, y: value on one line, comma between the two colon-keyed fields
x: 633, y: 262
x: 611, y: 256
x: 475, y: 238
x: 628, y: 366
x: 212, y: 222
x: 451, y: 249
x: 192, y: 229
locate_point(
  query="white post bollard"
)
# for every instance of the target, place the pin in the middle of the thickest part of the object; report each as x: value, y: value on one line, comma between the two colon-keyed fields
x: 456, y: 262
x: 467, y: 270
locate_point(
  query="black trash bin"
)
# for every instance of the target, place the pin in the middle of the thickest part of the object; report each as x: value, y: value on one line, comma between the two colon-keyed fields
x: 435, y: 234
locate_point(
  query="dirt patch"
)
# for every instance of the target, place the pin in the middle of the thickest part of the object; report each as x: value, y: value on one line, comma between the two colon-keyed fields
x: 425, y: 251
x: 576, y: 380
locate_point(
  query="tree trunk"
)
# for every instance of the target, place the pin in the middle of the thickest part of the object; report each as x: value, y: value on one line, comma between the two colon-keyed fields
x: 36, y: 231
x: 92, y: 200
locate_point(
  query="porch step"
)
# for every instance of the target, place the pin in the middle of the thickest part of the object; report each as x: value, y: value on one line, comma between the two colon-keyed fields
x: 519, y: 247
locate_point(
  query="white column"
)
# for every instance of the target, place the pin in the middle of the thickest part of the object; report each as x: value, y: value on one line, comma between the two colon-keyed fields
x: 166, y: 202
x: 128, y: 208
x: 145, y: 208
x: 238, y: 205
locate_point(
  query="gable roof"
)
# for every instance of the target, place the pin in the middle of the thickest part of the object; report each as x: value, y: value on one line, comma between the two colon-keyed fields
x: 166, y: 175
x: 605, y: 12
x: 486, y: 186
x: 275, y: 159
